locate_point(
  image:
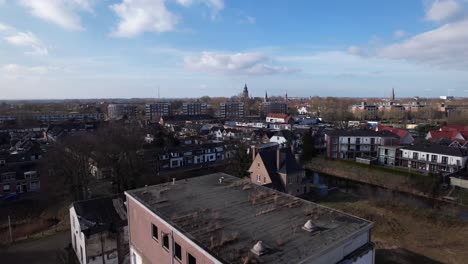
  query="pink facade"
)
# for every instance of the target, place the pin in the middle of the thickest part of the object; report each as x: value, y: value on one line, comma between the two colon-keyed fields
x: 145, y: 249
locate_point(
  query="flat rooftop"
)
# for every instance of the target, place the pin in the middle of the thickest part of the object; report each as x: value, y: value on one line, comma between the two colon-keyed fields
x: 228, y: 218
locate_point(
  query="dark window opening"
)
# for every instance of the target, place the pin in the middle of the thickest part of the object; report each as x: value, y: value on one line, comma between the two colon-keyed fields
x: 191, y: 259
x: 177, y: 251
x: 154, y: 231
x: 165, y: 239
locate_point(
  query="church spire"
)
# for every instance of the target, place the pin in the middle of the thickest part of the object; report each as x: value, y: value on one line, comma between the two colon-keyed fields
x: 266, y: 97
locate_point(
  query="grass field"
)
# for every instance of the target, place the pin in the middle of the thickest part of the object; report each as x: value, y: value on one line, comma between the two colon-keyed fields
x: 403, y: 234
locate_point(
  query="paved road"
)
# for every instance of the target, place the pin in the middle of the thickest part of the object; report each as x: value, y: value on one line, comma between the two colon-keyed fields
x: 36, y: 251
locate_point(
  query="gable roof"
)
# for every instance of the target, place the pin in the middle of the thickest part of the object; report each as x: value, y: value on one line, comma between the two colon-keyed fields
x: 436, y: 134
x: 288, y: 164
x: 399, y: 132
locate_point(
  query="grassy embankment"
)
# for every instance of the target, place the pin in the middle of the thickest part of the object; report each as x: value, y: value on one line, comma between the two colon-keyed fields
x: 404, y: 234
x: 393, y: 178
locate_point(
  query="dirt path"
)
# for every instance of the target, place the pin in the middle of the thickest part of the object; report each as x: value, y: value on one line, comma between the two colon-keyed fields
x: 36, y: 251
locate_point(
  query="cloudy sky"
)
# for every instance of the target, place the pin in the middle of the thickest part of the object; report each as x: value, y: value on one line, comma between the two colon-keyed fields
x: 191, y: 48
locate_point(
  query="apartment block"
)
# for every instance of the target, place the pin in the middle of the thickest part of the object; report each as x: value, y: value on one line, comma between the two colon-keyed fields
x: 219, y: 218
x: 359, y: 143
x: 273, y: 108
x: 194, y: 108
x: 116, y: 111
x: 231, y: 109
x: 156, y: 110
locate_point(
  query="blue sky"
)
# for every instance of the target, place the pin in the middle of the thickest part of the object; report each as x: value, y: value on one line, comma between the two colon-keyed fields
x: 191, y: 48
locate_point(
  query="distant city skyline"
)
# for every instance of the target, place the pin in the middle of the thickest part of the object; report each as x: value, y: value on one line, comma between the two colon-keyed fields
x: 58, y: 49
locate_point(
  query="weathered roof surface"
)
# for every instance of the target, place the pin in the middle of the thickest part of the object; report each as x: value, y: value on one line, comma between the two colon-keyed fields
x: 100, y: 214
x: 227, y: 219
x: 439, y: 149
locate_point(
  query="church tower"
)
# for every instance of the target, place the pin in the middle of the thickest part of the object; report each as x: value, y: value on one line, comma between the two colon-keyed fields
x: 245, y: 93
x: 265, y: 99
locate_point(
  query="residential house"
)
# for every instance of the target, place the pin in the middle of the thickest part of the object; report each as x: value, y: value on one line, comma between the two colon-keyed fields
x: 219, y: 218
x: 405, y: 136
x: 193, y: 156
x: 284, y: 138
x: 99, y: 231
x: 277, y: 168
x: 279, y: 118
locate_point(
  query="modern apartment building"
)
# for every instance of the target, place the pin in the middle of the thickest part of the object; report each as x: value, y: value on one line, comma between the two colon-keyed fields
x: 231, y: 109
x: 273, y: 108
x: 219, y: 218
x: 194, y: 108
x: 434, y: 158
x: 351, y: 144
x: 116, y: 111
x: 156, y: 110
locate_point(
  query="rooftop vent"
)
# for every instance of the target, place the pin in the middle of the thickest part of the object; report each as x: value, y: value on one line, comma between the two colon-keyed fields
x: 221, y: 179
x: 146, y: 189
x: 258, y: 249
x: 308, y: 226
x: 173, y: 181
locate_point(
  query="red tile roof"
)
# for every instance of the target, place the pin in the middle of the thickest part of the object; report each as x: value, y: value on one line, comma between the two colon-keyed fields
x: 436, y: 134
x: 399, y: 132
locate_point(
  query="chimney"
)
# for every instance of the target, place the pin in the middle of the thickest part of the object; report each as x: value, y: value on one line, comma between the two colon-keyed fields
x: 254, y: 151
x: 278, y: 158
x: 173, y: 181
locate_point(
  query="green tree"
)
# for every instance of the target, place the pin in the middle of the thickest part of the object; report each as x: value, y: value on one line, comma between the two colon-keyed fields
x: 308, y: 147
x: 240, y: 162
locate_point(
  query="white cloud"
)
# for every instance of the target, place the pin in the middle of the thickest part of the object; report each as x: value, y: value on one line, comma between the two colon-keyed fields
x: 444, y: 46
x: 138, y: 16
x: 444, y: 10
x: 214, y: 5
x: 399, y: 33
x: 22, y: 39
x: 27, y: 39
x: 61, y: 12
x: 5, y: 28
x: 238, y: 63
x: 248, y: 20
x: 15, y: 71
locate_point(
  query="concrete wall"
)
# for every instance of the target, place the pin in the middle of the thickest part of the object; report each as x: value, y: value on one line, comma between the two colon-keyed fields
x: 77, y: 237
x: 343, y: 249
x: 459, y: 182
x: 144, y: 249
